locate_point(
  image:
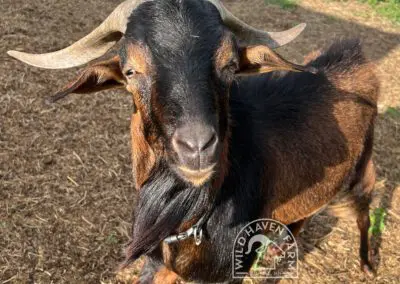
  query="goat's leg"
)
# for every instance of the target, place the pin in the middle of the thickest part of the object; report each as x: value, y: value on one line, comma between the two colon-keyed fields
x: 363, y: 223
x: 362, y: 198
x: 295, y: 228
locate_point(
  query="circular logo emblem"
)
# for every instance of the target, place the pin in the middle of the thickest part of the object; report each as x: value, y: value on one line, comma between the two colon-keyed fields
x: 269, y: 247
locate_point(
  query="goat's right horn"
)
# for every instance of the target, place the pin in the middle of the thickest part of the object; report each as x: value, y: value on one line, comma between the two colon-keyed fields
x: 253, y: 36
x: 92, y: 46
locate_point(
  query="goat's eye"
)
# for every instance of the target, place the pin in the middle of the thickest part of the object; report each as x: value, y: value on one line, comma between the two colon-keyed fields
x: 130, y: 73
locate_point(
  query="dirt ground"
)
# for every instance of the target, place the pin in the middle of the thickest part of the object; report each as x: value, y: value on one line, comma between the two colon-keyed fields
x: 65, y: 177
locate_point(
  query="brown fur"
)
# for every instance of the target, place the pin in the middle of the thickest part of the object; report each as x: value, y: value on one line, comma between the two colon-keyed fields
x: 311, y: 56
x: 185, y: 257
x: 138, y: 57
x: 143, y: 157
x: 225, y: 53
x: 350, y: 117
x: 165, y: 276
x: 145, y: 149
x: 223, y: 163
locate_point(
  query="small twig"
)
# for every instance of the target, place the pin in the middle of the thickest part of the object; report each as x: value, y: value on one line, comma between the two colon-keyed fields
x: 83, y: 198
x: 79, y: 158
x: 396, y: 216
x: 71, y: 180
x: 41, y: 219
x: 91, y: 224
x: 9, y: 280
x: 102, y: 159
x: 313, y: 264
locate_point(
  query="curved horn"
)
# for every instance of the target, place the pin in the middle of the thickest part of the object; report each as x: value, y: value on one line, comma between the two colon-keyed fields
x: 92, y: 46
x: 253, y: 36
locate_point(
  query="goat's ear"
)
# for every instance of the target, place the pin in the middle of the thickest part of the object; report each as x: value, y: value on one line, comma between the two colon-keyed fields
x: 99, y: 76
x: 261, y: 59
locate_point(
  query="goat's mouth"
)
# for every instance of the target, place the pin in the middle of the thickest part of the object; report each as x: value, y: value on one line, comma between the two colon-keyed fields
x: 196, y: 177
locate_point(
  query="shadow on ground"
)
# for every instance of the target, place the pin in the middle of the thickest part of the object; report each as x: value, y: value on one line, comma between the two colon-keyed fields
x: 321, y: 28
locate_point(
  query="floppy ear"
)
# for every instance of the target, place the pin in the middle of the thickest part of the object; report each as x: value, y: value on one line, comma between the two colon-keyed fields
x: 101, y: 75
x: 261, y: 59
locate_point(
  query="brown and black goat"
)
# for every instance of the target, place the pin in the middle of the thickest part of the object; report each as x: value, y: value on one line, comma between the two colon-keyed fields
x: 218, y: 150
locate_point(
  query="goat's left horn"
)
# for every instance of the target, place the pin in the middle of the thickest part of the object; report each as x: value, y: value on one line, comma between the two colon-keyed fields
x: 253, y: 36
x: 92, y: 46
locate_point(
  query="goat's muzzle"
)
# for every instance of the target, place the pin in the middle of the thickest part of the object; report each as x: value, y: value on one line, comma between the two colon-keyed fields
x: 196, y: 146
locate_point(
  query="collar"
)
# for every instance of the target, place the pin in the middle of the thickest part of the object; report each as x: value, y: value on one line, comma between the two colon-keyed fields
x: 196, y: 230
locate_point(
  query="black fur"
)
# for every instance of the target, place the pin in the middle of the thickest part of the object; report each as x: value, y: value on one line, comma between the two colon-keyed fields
x: 164, y: 203
x: 182, y: 37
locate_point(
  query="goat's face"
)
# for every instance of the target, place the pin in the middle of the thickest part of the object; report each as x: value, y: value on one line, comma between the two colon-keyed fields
x: 179, y: 67
x: 178, y: 60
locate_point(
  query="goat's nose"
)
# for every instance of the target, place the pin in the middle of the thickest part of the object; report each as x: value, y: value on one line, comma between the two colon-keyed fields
x: 195, y: 145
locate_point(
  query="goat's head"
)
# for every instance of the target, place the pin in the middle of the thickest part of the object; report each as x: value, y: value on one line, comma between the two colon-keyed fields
x: 178, y: 59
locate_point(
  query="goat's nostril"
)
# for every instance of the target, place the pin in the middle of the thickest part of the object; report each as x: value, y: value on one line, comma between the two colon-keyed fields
x: 211, y: 142
x: 185, y: 145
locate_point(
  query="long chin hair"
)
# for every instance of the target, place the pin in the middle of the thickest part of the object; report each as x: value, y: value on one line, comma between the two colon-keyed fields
x: 163, y: 205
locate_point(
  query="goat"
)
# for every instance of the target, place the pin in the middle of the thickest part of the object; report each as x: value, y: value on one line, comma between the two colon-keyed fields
x: 216, y: 150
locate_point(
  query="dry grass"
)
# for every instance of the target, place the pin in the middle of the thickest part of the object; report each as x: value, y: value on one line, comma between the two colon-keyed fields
x: 65, y: 180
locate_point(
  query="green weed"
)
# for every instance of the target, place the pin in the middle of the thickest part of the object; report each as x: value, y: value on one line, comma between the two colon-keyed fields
x: 284, y: 4
x: 387, y: 8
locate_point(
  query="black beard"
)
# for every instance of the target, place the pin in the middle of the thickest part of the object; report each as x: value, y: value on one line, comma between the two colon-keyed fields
x: 164, y: 203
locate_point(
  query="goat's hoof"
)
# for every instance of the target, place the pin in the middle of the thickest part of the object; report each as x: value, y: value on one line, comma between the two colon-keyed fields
x: 368, y: 270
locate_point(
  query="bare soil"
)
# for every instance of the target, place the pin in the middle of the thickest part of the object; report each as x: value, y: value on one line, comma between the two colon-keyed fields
x: 65, y: 176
